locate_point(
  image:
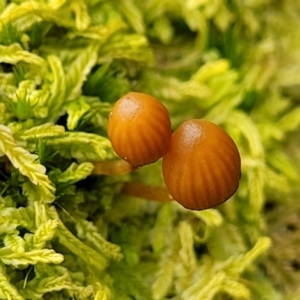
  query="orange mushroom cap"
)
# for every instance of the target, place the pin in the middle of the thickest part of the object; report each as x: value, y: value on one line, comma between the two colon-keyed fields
x: 202, y: 167
x: 139, y: 129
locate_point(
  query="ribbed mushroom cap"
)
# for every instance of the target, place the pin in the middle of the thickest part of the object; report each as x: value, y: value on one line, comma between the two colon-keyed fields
x: 139, y: 129
x: 202, y: 167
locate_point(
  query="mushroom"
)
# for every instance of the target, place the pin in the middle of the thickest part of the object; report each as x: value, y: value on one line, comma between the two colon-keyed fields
x: 139, y: 129
x: 202, y: 167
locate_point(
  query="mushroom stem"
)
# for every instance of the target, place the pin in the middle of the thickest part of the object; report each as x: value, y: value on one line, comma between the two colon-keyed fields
x: 141, y: 190
x: 111, y: 168
x: 135, y: 189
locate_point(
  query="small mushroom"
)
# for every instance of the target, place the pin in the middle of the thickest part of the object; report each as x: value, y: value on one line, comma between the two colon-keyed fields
x: 202, y: 167
x: 139, y: 129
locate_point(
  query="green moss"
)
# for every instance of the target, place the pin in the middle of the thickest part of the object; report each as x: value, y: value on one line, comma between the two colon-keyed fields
x: 68, y: 234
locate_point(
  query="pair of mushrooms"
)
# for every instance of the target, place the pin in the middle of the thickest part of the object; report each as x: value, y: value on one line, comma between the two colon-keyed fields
x: 200, y: 162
